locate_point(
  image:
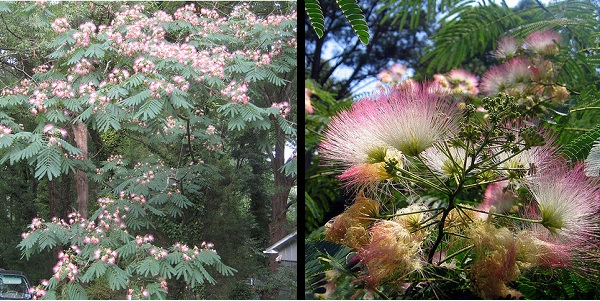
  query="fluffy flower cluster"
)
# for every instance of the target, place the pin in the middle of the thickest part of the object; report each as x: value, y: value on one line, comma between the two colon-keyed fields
x: 568, y: 203
x: 350, y: 227
x: 458, y: 82
x: 62, y: 89
x: 284, y: 108
x: 527, y: 72
x: 496, y: 261
x: 66, y: 267
x: 5, y: 130
x: 146, y: 239
x: 60, y: 25
x: 106, y: 255
x: 83, y: 67
x: 143, y: 65
x: 118, y: 75
x: 38, y: 292
x: 404, y: 121
x: 393, y: 75
x: 84, y: 36
x: 53, y: 133
x: 237, y: 92
x: 392, y: 251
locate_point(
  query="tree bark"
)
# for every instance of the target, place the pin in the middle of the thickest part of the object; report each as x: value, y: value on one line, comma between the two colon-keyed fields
x: 80, y: 133
x: 283, y: 185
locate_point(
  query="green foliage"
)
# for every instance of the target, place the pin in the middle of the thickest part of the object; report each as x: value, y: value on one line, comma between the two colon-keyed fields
x: 468, y: 34
x: 469, y: 31
x: 321, y: 190
x: 322, y: 256
x: 137, y: 256
x: 563, y: 286
x: 413, y: 9
x: 315, y: 15
x: 579, y: 148
x: 353, y: 14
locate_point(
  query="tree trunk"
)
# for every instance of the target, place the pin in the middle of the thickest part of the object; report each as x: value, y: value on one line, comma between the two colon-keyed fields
x: 283, y: 185
x: 80, y: 133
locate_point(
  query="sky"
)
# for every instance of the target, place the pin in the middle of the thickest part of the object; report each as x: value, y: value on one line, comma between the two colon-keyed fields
x: 370, y: 84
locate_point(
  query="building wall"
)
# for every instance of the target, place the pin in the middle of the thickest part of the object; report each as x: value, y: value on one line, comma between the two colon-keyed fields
x: 289, y: 253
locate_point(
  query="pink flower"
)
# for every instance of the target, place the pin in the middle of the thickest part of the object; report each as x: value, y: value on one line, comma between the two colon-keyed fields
x: 498, y: 195
x: 543, y: 42
x: 47, y: 128
x: 60, y: 25
x: 350, y: 136
x: 538, y: 247
x: 568, y: 203
x: 510, y: 78
x: 412, y: 119
x: 463, y: 82
x: 364, y: 174
x: 507, y: 48
x: 392, y: 251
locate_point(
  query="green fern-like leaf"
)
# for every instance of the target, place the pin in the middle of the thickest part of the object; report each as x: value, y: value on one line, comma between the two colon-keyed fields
x: 287, y: 128
x: 315, y: 15
x: 353, y: 14
x: 95, y: 50
x: 315, y: 252
x: 290, y: 168
x: 28, y: 152
x: 148, y: 267
x: 96, y: 270
x: 136, y: 99
x: 150, y: 109
x: 74, y: 291
x: 76, y: 56
x: 4, y: 8
x: 579, y: 148
x: 117, y: 278
x: 468, y: 34
x: 48, y: 163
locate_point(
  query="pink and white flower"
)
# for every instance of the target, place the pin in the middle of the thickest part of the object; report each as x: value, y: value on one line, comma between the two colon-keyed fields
x: 507, y: 48
x: 568, y: 203
x: 509, y: 78
x: 543, y: 42
x: 412, y: 119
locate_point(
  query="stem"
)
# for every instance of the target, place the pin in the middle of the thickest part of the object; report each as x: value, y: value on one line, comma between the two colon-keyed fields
x: 585, y: 108
x: 431, y: 171
x: 418, y: 180
x: 578, y: 129
x: 498, y: 163
x: 502, y: 215
x: 440, y: 236
x: 456, y: 253
x: 492, y: 181
x: 415, y: 212
x: 456, y: 234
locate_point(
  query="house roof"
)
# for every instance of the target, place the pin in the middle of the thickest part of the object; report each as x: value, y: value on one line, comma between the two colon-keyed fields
x: 274, y: 248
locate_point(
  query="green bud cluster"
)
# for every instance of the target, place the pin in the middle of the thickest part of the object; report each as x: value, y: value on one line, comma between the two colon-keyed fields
x: 501, y: 107
x: 531, y: 137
